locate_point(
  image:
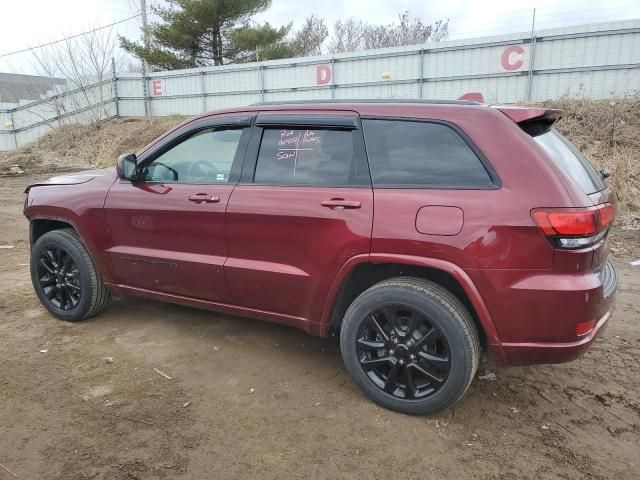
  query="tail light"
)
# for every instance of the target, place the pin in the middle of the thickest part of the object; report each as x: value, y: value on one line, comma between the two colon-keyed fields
x: 572, y: 228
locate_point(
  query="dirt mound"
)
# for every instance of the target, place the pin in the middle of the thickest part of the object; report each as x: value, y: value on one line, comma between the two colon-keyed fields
x: 608, y: 132
x: 77, y: 147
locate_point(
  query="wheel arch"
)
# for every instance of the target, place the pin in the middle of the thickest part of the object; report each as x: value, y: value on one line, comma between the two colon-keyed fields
x: 41, y: 224
x: 363, y: 271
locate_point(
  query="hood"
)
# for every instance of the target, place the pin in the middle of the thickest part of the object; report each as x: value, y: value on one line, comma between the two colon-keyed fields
x: 71, y: 178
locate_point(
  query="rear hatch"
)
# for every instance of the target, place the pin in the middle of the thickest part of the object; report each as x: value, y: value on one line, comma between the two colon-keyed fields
x: 581, y: 231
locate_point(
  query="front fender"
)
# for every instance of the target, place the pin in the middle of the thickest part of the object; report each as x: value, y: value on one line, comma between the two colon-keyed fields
x: 81, y: 206
x: 100, y: 260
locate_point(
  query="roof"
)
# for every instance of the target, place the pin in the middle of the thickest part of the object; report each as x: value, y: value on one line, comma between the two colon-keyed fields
x: 15, y: 87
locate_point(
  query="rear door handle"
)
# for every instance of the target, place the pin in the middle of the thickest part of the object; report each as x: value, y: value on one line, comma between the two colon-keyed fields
x: 340, y: 203
x: 204, y: 198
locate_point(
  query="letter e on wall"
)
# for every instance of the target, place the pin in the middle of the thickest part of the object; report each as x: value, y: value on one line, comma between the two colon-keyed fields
x: 157, y: 88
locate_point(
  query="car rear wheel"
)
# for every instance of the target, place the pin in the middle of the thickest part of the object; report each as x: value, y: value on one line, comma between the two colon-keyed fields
x: 65, y: 278
x: 410, y: 345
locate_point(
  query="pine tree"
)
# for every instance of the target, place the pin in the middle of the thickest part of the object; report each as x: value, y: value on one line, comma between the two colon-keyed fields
x: 197, y: 33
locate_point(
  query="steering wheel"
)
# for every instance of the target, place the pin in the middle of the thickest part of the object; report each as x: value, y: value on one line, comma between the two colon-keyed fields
x: 205, y: 170
x: 173, y: 171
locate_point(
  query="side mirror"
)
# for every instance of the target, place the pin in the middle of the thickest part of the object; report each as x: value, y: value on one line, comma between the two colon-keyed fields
x: 127, y: 166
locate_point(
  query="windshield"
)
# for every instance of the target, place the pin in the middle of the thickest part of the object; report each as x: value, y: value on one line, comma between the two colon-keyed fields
x: 571, y: 161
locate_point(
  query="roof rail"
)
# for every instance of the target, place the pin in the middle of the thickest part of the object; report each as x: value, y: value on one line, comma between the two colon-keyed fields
x: 369, y: 100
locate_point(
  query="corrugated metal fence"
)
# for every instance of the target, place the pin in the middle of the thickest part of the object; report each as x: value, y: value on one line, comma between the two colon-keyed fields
x: 593, y: 61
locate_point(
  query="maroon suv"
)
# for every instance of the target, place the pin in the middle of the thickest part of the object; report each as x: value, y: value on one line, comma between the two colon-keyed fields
x: 420, y: 232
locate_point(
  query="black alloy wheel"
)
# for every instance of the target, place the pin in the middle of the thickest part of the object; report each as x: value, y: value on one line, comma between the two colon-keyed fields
x: 65, y: 278
x: 59, y: 278
x: 403, y: 352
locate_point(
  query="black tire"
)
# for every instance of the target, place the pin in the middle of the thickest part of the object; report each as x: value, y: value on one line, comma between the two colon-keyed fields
x: 444, y: 346
x: 68, y: 285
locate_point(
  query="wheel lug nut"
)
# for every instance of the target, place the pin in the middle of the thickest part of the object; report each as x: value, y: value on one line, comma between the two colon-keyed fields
x: 392, y: 351
x: 401, y: 362
x: 395, y: 340
x: 412, y: 356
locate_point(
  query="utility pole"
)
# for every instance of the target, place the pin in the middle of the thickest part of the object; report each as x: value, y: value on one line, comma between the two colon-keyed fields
x: 145, y: 25
x: 532, y: 56
x: 145, y: 65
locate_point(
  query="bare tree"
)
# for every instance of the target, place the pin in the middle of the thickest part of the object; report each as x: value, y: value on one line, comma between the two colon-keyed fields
x: 309, y: 39
x: 350, y: 35
x: 85, y: 63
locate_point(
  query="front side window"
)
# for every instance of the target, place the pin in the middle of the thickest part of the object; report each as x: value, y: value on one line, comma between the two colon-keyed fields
x: 308, y: 157
x: 421, y: 154
x: 204, y: 157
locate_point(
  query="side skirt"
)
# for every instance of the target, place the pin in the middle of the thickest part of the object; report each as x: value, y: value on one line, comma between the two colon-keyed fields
x: 312, y: 328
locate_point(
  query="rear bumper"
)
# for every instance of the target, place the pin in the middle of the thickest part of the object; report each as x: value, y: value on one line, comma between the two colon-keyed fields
x: 537, y: 352
x: 537, y: 314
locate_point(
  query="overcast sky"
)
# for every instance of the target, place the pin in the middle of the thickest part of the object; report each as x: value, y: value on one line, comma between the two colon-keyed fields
x: 26, y: 23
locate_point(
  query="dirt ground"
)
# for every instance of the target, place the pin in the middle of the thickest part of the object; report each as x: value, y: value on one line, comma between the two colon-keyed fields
x: 248, y: 399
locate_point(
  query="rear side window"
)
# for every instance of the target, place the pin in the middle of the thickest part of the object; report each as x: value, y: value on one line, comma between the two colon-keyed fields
x: 421, y: 154
x: 309, y: 157
x: 569, y: 159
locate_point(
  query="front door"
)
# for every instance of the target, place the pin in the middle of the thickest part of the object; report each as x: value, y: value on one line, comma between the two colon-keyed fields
x: 168, y: 228
x: 304, y: 206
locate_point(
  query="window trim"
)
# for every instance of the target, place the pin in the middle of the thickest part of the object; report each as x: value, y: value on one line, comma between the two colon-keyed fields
x: 253, y: 150
x: 310, y: 121
x: 496, y: 182
x: 243, y: 123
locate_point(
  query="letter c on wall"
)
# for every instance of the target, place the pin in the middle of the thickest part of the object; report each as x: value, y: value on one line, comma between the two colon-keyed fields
x: 512, y: 58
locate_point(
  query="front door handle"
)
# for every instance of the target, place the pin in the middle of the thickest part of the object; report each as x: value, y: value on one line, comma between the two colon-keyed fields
x: 340, y: 203
x: 204, y: 198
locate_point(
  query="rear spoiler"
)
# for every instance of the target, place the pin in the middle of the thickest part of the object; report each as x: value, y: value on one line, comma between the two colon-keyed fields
x: 533, y: 120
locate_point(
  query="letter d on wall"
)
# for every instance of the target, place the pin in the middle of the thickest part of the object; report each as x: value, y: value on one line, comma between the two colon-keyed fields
x: 323, y: 74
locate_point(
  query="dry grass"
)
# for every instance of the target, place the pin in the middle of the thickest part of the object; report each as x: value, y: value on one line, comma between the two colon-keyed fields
x: 608, y: 133
x: 75, y: 147
x: 101, y: 144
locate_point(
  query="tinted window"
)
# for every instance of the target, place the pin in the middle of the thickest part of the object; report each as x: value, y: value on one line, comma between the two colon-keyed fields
x: 571, y: 161
x: 204, y: 157
x: 421, y: 154
x: 308, y: 157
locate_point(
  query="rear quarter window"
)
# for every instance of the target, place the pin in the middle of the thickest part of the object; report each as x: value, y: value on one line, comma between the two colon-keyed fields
x: 422, y: 154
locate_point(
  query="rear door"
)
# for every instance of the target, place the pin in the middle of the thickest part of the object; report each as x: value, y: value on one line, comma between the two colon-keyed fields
x: 168, y: 228
x: 304, y: 206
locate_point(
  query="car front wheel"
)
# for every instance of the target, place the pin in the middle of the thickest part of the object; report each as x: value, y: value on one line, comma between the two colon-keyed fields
x: 410, y: 345
x: 65, y: 278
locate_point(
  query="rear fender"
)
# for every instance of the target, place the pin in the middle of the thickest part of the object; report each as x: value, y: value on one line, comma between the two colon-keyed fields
x: 491, y: 333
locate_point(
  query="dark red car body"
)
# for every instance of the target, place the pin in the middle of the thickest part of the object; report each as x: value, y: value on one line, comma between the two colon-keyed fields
x: 276, y: 253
